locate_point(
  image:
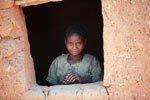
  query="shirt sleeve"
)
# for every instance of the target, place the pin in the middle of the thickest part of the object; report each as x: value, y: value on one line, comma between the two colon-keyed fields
x: 96, y: 74
x: 52, y: 76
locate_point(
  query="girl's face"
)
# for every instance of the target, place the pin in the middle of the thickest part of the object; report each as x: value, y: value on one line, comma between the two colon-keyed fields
x: 75, y: 44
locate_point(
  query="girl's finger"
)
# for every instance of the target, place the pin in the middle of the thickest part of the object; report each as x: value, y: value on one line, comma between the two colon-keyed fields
x: 71, y: 77
x: 73, y: 80
x: 77, y: 78
x: 64, y: 82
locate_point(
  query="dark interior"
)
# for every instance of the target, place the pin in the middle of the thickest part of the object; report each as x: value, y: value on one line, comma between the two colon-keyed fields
x: 46, y: 24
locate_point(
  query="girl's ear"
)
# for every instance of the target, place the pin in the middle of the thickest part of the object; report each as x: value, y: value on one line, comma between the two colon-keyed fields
x: 65, y: 40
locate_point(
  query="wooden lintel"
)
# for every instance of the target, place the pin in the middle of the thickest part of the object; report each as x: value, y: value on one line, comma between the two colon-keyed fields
x: 24, y: 3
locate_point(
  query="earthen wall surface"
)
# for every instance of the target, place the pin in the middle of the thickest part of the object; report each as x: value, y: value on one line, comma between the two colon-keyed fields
x: 126, y: 56
x: 126, y: 49
x: 16, y: 65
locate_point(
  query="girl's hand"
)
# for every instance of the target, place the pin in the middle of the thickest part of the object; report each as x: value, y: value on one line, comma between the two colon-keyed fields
x: 71, y: 78
x: 74, y: 77
x: 63, y: 80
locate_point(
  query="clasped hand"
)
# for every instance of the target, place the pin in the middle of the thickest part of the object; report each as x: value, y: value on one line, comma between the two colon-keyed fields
x: 70, y: 78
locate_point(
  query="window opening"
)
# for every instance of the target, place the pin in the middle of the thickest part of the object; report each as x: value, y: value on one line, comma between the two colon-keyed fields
x: 46, y: 24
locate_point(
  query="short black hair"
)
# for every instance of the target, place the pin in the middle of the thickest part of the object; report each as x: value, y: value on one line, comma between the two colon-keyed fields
x: 75, y: 29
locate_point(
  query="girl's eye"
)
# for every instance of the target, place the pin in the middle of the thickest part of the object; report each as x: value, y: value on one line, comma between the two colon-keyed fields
x: 78, y: 43
x: 69, y: 43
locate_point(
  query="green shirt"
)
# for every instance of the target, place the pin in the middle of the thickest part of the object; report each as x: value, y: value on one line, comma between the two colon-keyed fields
x: 89, y: 69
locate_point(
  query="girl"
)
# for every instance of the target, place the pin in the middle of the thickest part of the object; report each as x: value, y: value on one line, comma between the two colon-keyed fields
x: 76, y: 66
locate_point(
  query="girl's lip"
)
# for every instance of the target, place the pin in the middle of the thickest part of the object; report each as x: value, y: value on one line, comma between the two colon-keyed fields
x: 74, y: 51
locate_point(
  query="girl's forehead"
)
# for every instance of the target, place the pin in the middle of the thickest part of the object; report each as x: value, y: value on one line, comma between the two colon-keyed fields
x: 74, y: 36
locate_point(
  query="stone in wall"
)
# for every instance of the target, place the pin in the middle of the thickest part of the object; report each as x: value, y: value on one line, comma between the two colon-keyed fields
x: 126, y: 49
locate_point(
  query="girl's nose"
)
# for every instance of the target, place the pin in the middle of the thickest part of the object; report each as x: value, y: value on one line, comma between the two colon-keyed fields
x: 74, y: 46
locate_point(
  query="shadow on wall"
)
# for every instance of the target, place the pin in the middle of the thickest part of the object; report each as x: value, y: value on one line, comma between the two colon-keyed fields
x: 46, y: 24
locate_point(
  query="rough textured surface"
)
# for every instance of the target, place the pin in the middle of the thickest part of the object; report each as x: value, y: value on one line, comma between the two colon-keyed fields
x: 93, y: 91
x: 16, y: 66
x: 126, y: 56
x: 126, y: 49
x: 4, y: 4
x: 33, y: 2
x: 17, y: 76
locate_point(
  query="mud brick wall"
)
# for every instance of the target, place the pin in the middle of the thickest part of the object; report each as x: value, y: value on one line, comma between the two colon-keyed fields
x: 16, y: 64
x: 126, y: 36
x: 127, y: 49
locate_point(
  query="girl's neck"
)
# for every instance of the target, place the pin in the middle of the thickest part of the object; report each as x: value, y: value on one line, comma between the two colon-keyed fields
x: 74, y: 59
